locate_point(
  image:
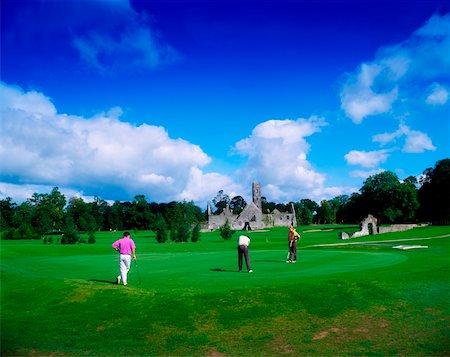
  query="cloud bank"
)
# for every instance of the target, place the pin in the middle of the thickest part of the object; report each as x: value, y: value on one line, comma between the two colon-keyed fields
x: 106, y: 157
x: 100, y: 155
x: 112, y: 159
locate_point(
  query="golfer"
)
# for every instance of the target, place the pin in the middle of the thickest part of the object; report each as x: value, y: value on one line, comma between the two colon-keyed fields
x: 243, y: 243
x: 292, y: 240
x: 126, y: 248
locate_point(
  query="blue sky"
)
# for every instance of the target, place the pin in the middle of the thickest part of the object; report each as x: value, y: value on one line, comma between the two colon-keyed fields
x: 179, y: 99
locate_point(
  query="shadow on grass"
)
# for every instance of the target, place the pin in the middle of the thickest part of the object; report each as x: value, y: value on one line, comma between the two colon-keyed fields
x: 104, y: 281
x: 272, y: 261
x: 225, y: 270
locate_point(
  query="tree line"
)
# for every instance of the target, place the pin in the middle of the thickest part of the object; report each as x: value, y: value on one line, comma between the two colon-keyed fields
x: 384, y: 195
x: 52, y: 216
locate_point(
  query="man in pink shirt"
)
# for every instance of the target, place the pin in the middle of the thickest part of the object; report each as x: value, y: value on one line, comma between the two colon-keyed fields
x: 126, y: 248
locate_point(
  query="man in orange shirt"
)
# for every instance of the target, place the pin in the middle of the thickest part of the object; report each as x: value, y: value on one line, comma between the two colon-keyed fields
x: 292, y: 240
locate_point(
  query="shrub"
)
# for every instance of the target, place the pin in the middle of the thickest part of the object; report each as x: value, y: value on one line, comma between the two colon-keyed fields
x: 160, y: 228
x: 8, y: 234
x: 91, y: 239
x: 195, y: 237
x: 25, y: 231
x: 184, y: 232
x: 70, y: 234
x: 225, y: 231
x: 161, y: 234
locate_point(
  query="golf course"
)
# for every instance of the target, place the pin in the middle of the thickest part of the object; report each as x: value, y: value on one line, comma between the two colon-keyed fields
x: 366, y: 296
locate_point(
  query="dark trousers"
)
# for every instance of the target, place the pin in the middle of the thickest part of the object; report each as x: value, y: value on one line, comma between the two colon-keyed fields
x: 243, y: 251
x: 293, y: 251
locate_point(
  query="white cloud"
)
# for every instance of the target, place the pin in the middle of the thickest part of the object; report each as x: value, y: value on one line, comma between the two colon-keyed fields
x: 27, y: 102
x: 378, y: 86
x: 368, y: 159
x: 204, y: 186
x: 386, y: 138
x: 415, y: 141
x: 100, y: 154
x: 365, y: 173
x: 21, y: 193
x: 112, y: 159
x: 438, y: 94
x: 331, y: 192
x: 359, y: 99
x: 362, y: 102
x: 277, y: 153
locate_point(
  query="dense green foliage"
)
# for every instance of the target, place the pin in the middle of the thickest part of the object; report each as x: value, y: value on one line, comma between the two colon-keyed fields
x: 45, y: 214
x: 434, y: 194
x: 189, y: 300
x: 383, y: 195
x: 225, y: 230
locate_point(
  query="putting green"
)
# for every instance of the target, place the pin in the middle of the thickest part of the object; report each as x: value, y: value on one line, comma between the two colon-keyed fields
x: 204, y: 271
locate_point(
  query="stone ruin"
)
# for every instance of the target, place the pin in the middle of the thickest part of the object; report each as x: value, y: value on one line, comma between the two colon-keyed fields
x: 252, y: 217
x: 369, y: 227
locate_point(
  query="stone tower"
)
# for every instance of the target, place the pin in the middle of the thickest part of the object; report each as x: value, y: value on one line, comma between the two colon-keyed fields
x: 256, y: 191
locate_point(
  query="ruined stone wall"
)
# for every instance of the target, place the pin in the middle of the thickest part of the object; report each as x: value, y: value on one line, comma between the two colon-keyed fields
x: 252, y: 214
x: 371, y: 220
x: 256, y: 194
x: 399, y: 227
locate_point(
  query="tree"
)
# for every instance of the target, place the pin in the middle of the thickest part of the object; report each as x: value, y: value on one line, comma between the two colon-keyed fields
x: 325, y: 213
x: 237, y: 204
x: 80, y: 213
x: 412, y: 180
x: 70, y: 233
x: 47, y: 211
x: 57, y: 202
x: 117, y: 216
x: 7, y: 211
x: 305, y: 211
x: 91, y: 239
x: 221, y: 201
x: 225, y: 231
x: 99, y: 210
x: 434, y: 193
x: 192, y: 213
x: 387, y: 199
x: 267, y: 206
x: 185, y: 232
x: 160, y: 227
x: 408, y: 200
x: 195, y: 237
x: 339, y: 204
x: 129, y: 215
x: 144, y: 218
x: 282, y: 207
x: 176, y: 219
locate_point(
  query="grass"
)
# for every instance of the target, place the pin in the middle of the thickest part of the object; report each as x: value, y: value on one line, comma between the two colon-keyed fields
x: 189, y: 300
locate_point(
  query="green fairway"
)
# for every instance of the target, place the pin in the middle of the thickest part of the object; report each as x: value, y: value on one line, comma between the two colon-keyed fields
x: 190, y: 299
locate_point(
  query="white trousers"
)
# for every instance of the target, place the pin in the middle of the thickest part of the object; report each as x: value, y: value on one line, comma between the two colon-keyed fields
x: 125, y: 263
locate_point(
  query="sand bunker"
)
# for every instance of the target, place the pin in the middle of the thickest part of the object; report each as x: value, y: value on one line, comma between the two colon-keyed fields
x: 406, y: 247
x: 319, y: 230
